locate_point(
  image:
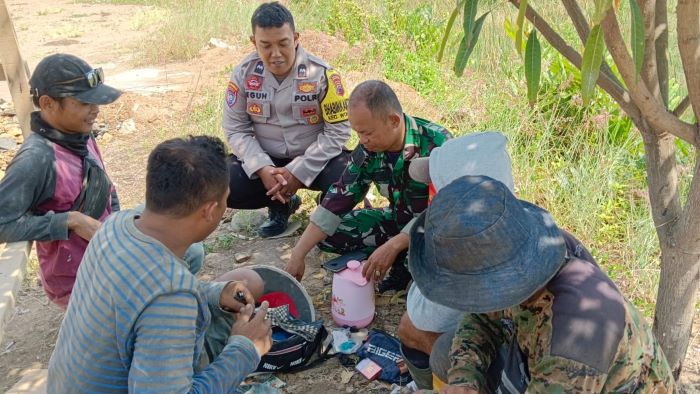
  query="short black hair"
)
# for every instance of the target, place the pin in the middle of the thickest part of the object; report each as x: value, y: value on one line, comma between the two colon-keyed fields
x: 379, y: 98
x: 271, y: 15
x: 184, y: 173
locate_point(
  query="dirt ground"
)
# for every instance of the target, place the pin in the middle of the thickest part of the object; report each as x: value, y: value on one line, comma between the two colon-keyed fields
x: 157, y: 98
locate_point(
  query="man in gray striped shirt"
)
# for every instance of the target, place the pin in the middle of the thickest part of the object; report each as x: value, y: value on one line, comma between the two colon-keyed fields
x: 138, y: 318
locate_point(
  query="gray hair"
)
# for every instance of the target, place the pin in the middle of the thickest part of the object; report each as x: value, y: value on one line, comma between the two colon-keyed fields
x: 379, y: 98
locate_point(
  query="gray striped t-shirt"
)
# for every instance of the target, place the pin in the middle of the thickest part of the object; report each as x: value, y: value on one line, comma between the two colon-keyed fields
x: 136, y: 322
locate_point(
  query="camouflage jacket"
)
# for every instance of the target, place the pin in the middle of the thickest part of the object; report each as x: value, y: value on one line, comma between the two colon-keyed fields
x: 407, y: 198
x: 579, y: 334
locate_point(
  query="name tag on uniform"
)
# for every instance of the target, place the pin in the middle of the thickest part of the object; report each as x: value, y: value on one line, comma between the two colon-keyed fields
x: 260, y: 95
x: 305, y: 98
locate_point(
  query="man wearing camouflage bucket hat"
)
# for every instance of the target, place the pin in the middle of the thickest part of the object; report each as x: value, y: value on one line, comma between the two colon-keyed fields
x: 482, y: 153
x: 540, y: 315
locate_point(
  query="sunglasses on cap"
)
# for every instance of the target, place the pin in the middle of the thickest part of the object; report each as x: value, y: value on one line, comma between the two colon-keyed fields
x: 93, y: 77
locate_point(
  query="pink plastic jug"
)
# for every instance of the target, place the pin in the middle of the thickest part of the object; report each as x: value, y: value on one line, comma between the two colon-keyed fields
x: 353, y: 297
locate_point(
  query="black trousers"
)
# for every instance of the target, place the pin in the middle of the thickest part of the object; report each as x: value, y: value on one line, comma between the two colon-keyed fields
x: 249, y: 193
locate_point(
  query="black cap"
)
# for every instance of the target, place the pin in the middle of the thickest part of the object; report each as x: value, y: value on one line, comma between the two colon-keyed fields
x: 63, y: 75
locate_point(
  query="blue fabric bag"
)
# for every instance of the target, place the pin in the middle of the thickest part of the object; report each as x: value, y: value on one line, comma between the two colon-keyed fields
x: 384, y: 349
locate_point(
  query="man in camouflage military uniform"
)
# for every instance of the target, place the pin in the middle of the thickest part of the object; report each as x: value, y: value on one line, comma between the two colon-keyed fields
x: 540, y: 314
x: 285, y: 118
x: 389, y: 140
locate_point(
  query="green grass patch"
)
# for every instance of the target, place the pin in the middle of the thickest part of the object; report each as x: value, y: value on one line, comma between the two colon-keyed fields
x: 185, y: 26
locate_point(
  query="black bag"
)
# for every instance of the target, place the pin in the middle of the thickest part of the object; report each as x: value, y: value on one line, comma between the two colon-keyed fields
x: 295, y: 354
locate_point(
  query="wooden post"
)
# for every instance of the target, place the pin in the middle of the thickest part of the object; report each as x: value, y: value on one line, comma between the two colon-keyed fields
x: 14, y: 70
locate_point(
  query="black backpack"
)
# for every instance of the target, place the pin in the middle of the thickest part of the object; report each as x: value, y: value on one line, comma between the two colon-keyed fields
x: 295, y: 354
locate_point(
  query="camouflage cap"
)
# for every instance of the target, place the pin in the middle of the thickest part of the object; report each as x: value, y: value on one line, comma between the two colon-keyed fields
x: 63, y: 75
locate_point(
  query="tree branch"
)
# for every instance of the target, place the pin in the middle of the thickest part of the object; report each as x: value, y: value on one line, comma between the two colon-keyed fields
x: 581, y: 24
x: 689, y: 225
x: 661, y: 21
x: 649, y: 73
x: 681, y: 107
x: 688, y: 19
x: 654, y: 112
x: 608, y: 85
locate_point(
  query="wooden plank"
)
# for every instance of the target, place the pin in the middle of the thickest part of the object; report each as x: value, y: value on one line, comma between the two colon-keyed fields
x: 14, y: 69
x: 13, y: 267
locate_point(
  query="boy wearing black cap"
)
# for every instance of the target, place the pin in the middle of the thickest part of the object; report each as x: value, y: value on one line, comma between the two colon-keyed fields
x: 55, y: 190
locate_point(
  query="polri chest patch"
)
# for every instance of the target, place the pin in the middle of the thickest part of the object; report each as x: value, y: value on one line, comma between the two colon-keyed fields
x: 304, y: 87
x: 257, y: 108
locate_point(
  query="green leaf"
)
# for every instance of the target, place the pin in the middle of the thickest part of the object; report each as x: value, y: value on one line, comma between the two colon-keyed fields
x: 533, y: 59
x: 462, y: 57
x: 450, y: 22
x: 469, y: 23
x: 509, y: 28
x: 637, y: 36
x: 466, y: 47
x: 590, y: 66
x: 519, y: 23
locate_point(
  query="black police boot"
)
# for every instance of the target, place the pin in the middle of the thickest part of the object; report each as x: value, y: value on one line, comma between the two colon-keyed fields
x: 278, y: 218
x: 398, y: 277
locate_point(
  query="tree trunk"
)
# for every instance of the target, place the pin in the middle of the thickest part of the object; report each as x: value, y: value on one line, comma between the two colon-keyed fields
x: 678, y: 284
x: 675, y: 304
x: 646, y: 103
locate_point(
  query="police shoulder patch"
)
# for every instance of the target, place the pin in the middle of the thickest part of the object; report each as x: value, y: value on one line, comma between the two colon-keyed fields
x: 231, y: 94
x: 334, y: 106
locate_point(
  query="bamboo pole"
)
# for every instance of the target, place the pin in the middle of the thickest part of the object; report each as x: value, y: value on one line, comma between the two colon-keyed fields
x: 14, y: 70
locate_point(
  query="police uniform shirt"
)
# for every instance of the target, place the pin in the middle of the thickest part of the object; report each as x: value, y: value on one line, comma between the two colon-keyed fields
x: 303, y: 117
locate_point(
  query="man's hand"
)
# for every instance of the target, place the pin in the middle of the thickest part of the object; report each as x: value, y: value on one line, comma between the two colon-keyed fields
x: 384, y: 256
x: 290, y: 185
x: 272, y: 181
x: 258, y: 329
x: 228, y: 298
x: 310, y: 237
x: 296, y: 267
x: 83, y: 225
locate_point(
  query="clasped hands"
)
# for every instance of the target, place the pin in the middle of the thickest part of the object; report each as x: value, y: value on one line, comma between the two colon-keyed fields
x: 281, y: 184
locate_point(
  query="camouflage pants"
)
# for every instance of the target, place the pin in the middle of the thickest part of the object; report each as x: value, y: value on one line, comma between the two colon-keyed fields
x: 507, y: 373
x: 363, y: 229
